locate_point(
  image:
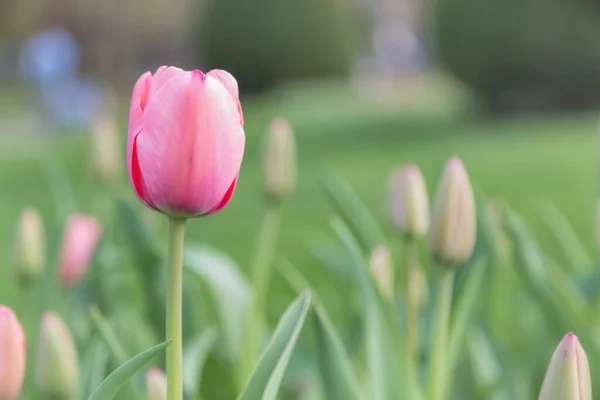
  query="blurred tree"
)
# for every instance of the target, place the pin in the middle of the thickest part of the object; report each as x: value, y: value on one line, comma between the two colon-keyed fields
x: 522, y: 54
x: 265, y: 41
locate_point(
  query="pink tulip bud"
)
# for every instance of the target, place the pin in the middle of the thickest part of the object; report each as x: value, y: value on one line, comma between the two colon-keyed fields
x: 454, y: 224
x: 156, y: 384
x: 81, y: 237
x: 409, y: 201
x: 57, y: 368
x: 12, y: 355
x: 106, y: 160
x: 381, y: 269
x: 280, y: 160
x: 29, y: 246
x: 568, y: 375
x: 185, y: 140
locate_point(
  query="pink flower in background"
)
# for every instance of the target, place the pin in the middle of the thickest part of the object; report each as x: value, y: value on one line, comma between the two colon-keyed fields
x: 80, y: 239
x: 185, y: 140
x: 12, y: 355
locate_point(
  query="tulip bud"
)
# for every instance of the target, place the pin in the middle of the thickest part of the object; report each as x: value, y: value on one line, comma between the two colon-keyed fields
x: 454, y: 226
x: 409, y: 202
x: 57, y: 368
x: 81, y: 237
x: 12, y: 355
x: 29, y: 246
x: 106, y: 154
x: 156, y: 384
x: 280, y: 160
x: 381, y: 269
x: 568, y: 375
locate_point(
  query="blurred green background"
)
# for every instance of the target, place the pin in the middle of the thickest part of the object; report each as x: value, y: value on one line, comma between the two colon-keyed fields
x: 511, y: 87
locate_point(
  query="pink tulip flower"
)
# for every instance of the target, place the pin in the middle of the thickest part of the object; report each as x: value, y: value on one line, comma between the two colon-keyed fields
x: 12, y: 355
x: 80, y: 239
x: 185, y: 140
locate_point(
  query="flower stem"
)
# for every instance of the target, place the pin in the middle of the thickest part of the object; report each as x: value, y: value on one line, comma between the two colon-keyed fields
x: 174, y: 303
x: 438, y: 355
x: 261, y: 275
x: 412, y: 316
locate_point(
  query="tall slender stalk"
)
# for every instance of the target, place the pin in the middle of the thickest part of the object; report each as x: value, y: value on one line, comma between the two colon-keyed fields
x: 174, y: 304
x: 261, y: 275
x: 437, y: 379
x: 412, y: 313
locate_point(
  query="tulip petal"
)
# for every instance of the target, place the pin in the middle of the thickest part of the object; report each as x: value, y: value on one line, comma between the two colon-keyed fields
x: 163, y: 75
x: 226, y: 198
x: 137, y: 180
x: 139, y: 101
x: 231, y: 85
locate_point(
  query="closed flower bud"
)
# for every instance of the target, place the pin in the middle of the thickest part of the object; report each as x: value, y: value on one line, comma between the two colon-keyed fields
x: 82, y: 234
x: 381, y: 269
x: 280, y: 160
x: 12, y: 355
x: 409, y: 202
x: 106, y: 154
x: 185, y: 140
x: 29, y: 246
x: 156, y: 384
x: 453, y: 224
x: 568, y: 375
x: 57, y: 368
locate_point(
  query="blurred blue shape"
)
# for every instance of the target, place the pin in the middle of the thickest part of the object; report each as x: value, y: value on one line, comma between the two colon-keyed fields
x: 70, y: 102
x: 49, y: 55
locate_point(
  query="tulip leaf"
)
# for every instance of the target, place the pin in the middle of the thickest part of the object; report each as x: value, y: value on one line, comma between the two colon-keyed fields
x: 576, y: 256
x: 194, y: 358
x: 339, y: 379
x: 463, y: 310
x: 383, y: 335
x: 111, y: 385
x: 93, y: 366
x: 266, y: 378
x: 353, y: 211
x: 229, y: 288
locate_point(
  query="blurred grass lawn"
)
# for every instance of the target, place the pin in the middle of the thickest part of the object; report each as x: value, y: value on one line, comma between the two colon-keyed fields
x: 528, y: 161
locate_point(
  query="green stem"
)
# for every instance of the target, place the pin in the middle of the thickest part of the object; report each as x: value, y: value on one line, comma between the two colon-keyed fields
x: 261, y: 275
x: 412, y: 313
x: 438, y: 356
x: 174, y: 303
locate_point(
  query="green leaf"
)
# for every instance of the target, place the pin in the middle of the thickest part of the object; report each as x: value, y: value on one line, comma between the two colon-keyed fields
x: 93, y: 366
x: 576, y: 256
x: 229, y: 288
x: 339, y: 380
x: 383, y: 335
x: 111, y: 385
x: 337, y: 374
x: 265, y: 380
x: 468, y: 298
x: 137, y: 234
x: 194, y: 358
x: 353, y: 211
x: 114, y: 344
x: 148, y: 261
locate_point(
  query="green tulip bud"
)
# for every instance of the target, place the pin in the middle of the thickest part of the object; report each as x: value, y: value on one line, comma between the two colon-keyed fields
x: 409, y: 202
x: 454, y: 224
x: 568, y: 375
x: 29, y: 246
x: 57, y: 368
x: 280, y: 160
